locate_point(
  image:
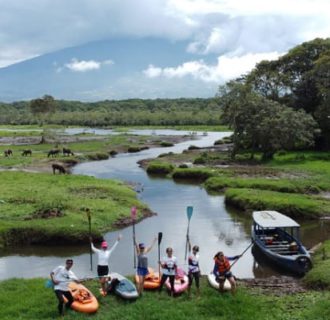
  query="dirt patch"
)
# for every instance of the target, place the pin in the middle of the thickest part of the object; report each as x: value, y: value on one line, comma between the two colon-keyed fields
x: 127, y: 221
x: 46, y: 214
x: 278, y: 286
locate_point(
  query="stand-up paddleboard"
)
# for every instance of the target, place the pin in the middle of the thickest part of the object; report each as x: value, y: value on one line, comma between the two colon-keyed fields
x: 84, y: 300
x: 122, y: 286
x: 181, y: 282
x: 152, y: 280
x: 215, y: 284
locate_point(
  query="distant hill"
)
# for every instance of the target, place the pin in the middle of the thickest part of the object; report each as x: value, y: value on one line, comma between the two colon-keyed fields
x: 104, y: 70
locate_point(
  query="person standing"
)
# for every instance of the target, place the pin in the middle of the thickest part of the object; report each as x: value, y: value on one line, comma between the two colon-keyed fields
x: 142, y: 268
x: 193, y: 267
x: 103, y: 256
x: 61, y: 277
x: 169, y: 266
x: 222, y: 270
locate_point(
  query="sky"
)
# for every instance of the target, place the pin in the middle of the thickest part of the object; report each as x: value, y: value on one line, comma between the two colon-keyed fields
x: 238, y: 33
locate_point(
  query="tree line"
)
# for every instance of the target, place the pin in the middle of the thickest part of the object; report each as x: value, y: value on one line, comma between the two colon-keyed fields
x: 282, y: 104
x: 47, y: 110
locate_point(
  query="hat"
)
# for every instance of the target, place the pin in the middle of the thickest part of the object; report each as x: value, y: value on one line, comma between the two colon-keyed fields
x: 141, y: 245
x: 104, y: 244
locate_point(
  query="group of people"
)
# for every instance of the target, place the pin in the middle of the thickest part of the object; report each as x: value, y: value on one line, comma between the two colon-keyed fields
x: 62, y: 275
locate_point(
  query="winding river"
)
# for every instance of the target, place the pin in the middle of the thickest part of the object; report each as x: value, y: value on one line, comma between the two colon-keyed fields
x: 213, y: 227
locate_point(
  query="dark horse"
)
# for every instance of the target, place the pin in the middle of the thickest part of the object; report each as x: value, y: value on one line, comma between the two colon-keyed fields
x: 59, y: 168
x: 53, y: 153
x: 27, y: 152
x: 8, y: 153
x: 67, y: 152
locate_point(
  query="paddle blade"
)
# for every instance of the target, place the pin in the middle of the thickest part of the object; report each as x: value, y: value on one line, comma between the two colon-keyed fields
x: 160, y: 236
x: 49, y: 284
x: 189, y: 212
x: 133, y: 213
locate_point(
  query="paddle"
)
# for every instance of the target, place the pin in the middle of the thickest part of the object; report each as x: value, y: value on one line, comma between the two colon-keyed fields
x: 242, y: 254
x: 160, y: 236
x: 189, y: 215
x: 90, y: 235
x: 49, y: 283
x: 133, y: 216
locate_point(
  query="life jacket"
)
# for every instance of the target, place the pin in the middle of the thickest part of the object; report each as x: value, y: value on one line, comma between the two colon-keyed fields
x: 223, y: 266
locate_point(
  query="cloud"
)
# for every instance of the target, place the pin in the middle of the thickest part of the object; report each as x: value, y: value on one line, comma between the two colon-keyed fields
x: 227, y: 67
x: 35, y: 27
x: 84, y: 66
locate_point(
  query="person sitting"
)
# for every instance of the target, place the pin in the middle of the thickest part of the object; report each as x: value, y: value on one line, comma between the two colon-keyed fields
x: 222, y: 270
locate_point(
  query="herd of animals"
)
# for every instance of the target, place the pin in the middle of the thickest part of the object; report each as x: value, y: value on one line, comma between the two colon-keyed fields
x: 51, y: 153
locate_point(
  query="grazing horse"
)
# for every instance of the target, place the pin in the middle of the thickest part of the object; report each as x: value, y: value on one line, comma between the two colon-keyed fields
x: 67, y: 152
x: 53, y: 153
x: 59, y: 168
x: 8, y: 153
x: 27, y: 152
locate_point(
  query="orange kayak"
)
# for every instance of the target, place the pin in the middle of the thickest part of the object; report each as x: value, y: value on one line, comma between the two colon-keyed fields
x: 152, y: 280
x: 84, y: 300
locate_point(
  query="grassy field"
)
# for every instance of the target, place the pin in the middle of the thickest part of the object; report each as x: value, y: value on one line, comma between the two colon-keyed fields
x: 295, y: 183
x: 27, y: 198
x: 245, y: 305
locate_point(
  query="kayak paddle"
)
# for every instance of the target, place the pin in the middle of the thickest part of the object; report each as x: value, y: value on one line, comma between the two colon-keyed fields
x: 160, y: 236
x: 133, y: 216
x: 90, y: 235
x: 189, y: 215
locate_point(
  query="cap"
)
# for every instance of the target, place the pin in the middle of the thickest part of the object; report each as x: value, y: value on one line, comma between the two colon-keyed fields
x: 104, y: 244
x: 141, y: 245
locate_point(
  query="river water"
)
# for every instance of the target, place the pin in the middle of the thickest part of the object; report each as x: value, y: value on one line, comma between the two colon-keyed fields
x: 213, y: 226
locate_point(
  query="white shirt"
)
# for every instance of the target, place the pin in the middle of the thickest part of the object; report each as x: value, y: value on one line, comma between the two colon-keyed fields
x: 193, y: 266
x: 104, y: 255
x: 169, y: 263
x: 64, y: 276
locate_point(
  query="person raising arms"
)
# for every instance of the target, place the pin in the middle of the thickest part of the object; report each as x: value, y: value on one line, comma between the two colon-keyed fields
x: 142, y: 268
x: 103, y: 256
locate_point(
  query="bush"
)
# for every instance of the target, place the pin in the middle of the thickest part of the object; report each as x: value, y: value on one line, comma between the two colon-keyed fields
x: 157, y: 167
x: 98, y: 156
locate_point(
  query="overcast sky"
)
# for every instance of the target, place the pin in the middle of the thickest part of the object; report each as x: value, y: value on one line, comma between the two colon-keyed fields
x: 239, y: 32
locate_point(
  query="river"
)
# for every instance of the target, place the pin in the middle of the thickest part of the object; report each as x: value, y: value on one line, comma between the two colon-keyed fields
x: 213, y: 227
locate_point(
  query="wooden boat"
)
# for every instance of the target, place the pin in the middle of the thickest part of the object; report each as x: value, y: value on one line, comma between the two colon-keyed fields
x: 152, y: 280
x: 84, y: 300
x: 122, y: 286
x: 277, y: 237
x: 215, y: 284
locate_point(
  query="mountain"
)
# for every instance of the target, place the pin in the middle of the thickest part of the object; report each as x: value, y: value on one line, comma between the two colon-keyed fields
x: 105, y: 70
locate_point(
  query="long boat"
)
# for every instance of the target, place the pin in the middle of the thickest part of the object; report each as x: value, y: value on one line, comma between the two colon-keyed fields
x: 277, y: 237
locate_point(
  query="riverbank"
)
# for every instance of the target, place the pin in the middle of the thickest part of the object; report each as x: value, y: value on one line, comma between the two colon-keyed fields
x: 295, y: 183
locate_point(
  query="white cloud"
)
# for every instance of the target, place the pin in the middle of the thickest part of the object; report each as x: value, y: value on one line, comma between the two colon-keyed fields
x: 34, y: 27
x: 227, y: 67
x: 83, y: 66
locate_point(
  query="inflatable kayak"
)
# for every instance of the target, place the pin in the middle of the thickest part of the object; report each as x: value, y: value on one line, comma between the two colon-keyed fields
x: 215, y: 284
x: 84, y: 300
x: 122, y: 286
x: 181, y: 282
x: 151, y: 281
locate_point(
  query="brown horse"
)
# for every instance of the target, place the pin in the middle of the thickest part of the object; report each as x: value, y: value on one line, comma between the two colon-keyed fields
x: 53, y: 153
x: 59, y: 168
x: 8, y: 153
x: 67, y: 152
x: 27, y: 152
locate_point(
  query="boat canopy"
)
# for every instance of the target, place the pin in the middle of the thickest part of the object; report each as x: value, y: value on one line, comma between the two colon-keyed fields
x: 273, y: 219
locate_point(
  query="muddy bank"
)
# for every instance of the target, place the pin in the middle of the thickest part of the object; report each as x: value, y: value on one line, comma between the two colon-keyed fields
x: 127, y: 221
x: 278, y: 286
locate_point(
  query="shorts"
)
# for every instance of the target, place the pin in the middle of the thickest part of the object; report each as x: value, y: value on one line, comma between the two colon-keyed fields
x: 102, y: 271
x: 142, y: 271
x: 223, y: 276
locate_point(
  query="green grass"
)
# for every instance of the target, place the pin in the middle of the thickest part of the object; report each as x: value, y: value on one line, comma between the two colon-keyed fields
x: 24, y: 194
x: 159, y: 167
x: 28, y: 299
x: 294, y: 205
x: 319, y: 276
